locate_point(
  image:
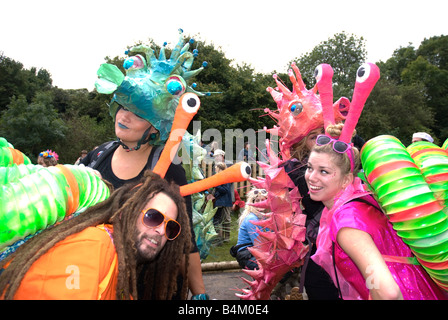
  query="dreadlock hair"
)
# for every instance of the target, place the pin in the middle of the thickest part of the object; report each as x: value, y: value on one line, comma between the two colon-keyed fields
x: 121, y: 209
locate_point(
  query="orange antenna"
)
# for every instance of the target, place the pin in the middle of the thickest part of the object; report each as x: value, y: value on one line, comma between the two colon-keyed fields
x: 238, y: 172
x: 187, y: 108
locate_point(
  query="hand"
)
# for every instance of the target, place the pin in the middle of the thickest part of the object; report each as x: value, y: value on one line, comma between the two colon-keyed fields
x: 210, y: 197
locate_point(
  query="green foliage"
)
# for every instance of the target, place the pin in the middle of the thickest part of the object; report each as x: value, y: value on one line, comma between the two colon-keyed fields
x: 394, y: 66
x: 83, y: 133
x: 241, y: 95
x: 345, y: 53
x: 32, y: 127
x: 435, y: 50
x: 426, y: 66
x: 397, y: 110
x: 15, y: 81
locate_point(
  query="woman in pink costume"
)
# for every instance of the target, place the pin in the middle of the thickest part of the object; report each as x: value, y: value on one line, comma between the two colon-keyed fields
x: 371, y: 260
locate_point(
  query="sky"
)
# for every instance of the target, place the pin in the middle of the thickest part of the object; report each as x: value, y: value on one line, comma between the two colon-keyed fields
x: 70, y: 39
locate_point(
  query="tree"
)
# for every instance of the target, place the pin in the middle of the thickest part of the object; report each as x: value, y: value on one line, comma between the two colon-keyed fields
x: 431, y: 69
x: 15, y: 81
x: 435, y: 50
x: 345, y: 53
x: 87, y: 118
x: 83, y: 132
x: 397, y: 110
x: 32, y: 127
x: 428, y: 67
x: 11, y: 80
x: 395, y: 65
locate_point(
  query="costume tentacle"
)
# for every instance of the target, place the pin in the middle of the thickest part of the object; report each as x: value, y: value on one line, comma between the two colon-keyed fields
x: 187, y: 108
x: 238, y: 172
x: 366, y: 78
x: 324, y: 76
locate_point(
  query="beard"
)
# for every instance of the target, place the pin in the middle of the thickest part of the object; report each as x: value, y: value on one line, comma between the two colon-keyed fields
x: 146, y: 250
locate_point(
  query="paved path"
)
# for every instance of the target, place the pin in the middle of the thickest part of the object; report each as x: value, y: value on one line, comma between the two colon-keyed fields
x: 222, y: 285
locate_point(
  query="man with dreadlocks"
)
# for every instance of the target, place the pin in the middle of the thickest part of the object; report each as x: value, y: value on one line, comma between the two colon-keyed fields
x: 100, y: 253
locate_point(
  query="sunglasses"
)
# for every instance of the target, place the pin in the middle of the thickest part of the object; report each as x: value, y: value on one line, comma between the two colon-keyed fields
x: 338, y: 146
x: 152, y: 218
x: 260, y: 195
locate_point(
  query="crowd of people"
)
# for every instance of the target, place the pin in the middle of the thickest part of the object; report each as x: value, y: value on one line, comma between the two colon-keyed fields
x: 321, y: 174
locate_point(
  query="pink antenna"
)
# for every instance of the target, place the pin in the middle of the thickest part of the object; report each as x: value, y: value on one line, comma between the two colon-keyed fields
x: 324, y: 76
x: 366, y: 78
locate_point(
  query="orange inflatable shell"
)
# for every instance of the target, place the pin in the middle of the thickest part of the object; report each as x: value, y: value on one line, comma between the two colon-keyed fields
x: 81, y: 267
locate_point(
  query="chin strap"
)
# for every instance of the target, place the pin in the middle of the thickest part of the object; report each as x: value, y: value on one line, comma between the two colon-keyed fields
x: 146, y: 137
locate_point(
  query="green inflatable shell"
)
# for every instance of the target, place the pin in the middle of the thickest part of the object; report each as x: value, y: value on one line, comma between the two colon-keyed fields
x: 411, y: 185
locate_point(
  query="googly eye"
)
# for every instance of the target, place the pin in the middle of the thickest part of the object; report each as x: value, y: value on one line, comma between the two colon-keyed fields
x: 323, y: 72
x: 245, y: 170
x: 134, y: 62
x: 190, y: 102
x: 363, y: 73
x: 295, y: 107
x: 318, y: 73
x: 175, y: 85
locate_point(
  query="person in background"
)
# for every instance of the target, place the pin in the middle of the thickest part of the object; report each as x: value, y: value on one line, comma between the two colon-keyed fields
x: 223, y: 201
x: 48, y: 158
x: 248, y: 232
x: 246, y: 154
x: 238, y: 204
x: 83, y: 154
x: 219, y: 156
x: 210, y: 148
x: 422, y: 136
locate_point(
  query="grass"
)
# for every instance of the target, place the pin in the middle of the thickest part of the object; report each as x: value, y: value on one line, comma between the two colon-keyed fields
x: 221, y: 253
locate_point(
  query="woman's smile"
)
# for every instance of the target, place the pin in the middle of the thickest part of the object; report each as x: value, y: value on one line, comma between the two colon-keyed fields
x: 314, y: 189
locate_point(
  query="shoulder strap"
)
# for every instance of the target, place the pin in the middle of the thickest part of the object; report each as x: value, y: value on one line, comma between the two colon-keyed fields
x: 363, y: 200
x: 335, y: 271
x: 107, y: 148
x: 103, y: 151
x: 156, y: 156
